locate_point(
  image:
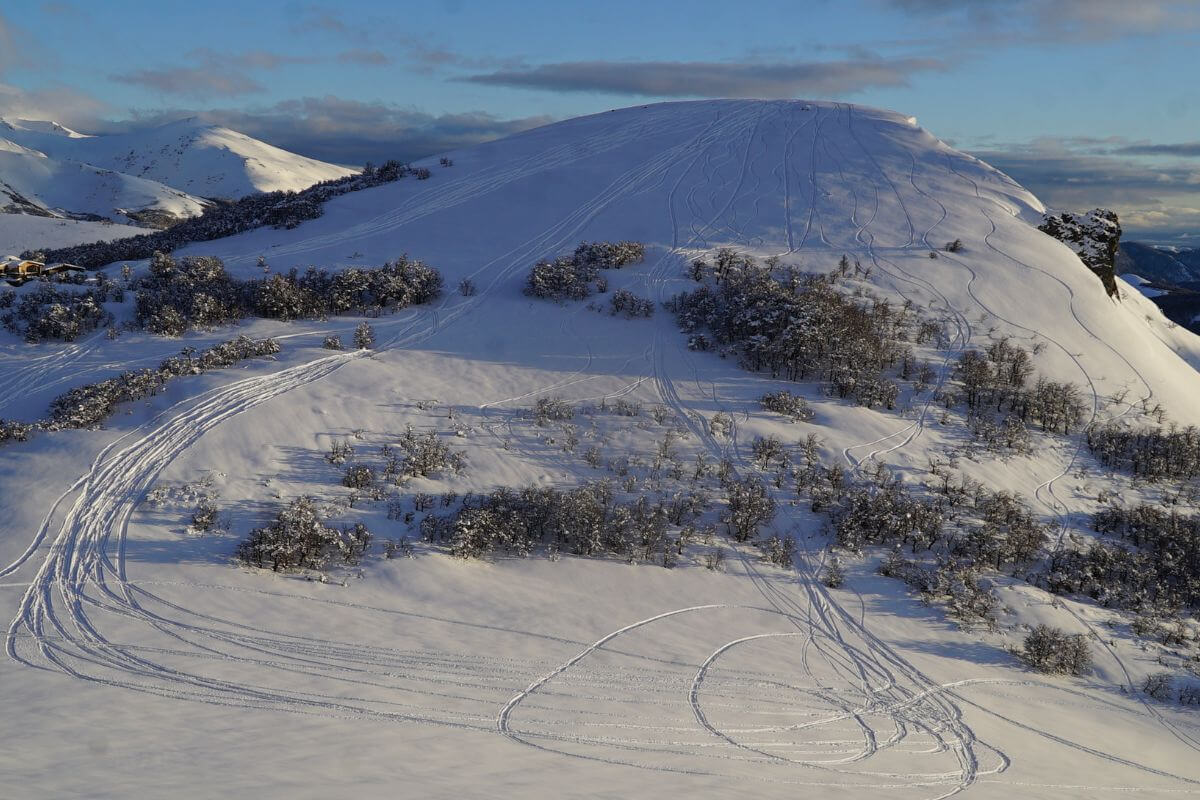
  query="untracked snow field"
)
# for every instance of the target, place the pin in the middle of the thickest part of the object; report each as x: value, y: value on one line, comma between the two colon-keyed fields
x: 141, y: 661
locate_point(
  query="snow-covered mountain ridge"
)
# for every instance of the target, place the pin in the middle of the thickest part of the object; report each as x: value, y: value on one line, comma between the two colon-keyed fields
x: 150, y: 177
x: 189, y: 155
x: 563, y: 675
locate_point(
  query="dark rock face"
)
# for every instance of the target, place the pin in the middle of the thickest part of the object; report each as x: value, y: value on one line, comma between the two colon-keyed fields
x: 1094, y: 236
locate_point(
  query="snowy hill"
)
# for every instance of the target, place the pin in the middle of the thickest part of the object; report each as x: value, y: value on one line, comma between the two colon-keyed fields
x: 190, y: 156
x: 32, y: 183
x: 39, y: 128
x: 563, y: 675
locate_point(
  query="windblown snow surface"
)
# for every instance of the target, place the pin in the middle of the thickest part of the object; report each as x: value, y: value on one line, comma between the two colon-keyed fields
x: 142, y: 663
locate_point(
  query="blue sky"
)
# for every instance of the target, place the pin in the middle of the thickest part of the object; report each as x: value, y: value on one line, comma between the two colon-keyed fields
x: 1086, y: 101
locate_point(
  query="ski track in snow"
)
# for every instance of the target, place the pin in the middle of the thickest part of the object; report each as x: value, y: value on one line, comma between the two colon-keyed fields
x: 849, y: 701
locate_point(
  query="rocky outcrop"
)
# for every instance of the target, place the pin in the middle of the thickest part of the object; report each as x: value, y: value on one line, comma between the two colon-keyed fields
x: 1094, y: 236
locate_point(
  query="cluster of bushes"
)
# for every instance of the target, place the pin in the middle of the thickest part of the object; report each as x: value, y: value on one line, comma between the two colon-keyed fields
x: 789, y: 405
x: 88, y: 405
x: 574, y: 277
x: 886, y: 515
x: 413, y: 455
x: 199, y: 292
x: 14, y: 431
x: 1149, y: 453
x: 552, y: 409
x: 797, y: 327
x: 966, y: 522
x: 298, y: 539
x: 1054, y: 651
x: 50, y: 313
x: 1163, y: 686
x: 1010, y: 433
x: 225, y: 218
x: 994, y: 381
x: 588, y: 521
x: 629, y: 305
x: 1161, y: 568
x: 954, y: 584
x: 966, y: 527
x: 749, y: 505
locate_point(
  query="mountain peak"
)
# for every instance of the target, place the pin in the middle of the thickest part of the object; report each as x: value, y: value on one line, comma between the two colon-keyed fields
x: 41, y: 126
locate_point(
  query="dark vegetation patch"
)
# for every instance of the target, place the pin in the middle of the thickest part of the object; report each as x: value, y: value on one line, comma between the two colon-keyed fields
x: 225, y: 218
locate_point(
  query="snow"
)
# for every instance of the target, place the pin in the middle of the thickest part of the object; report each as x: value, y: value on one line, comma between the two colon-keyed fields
x: 141, y: 663
x: 191, y: 156
x: 38, y: 126
x: 69, y: 187
x: 21, y: 232
x: 1142, y: 285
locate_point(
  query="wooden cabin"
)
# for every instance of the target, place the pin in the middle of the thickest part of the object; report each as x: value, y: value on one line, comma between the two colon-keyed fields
x: 19, y: 270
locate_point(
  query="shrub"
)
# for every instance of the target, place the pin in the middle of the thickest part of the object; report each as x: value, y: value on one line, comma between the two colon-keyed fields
x: 571, y: 277
x: 1160, y: 686
x: 428, y: 455
x: 364, y: 336
x: 833, y: 575
x: 14, y: 431
x: 749, y: 505
x: 548, y: 409
x: 560, y: 279
x: 332, y: 343
x: 1054, y: 651
x: 769, y: 451
x: 629, y: 305
x: 205, y: 516
x: 298, y: 539
x: 785, y: 403
x: 714, y: 560
x: 779, y: 550
x: 358, y: 476
x: 48, y: 313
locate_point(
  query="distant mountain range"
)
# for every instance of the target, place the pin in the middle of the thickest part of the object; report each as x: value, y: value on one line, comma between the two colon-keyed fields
x: 1170, y: 277
x: 148, y: 177
x: 1173, y: 264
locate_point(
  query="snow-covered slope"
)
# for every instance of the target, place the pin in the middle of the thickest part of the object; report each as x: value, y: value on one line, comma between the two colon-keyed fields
x: 188, y: 155
x: 576, y: 677
x: 21, y: 232
x: 38, y: 127
x: 32, y: 183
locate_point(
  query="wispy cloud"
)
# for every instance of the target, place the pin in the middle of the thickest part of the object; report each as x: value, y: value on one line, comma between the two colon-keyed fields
x: 1151, y: 198
x: 713, y: 79
x: 11, y: 50
x: 196, y: 82
x: 1041, y: 20
x: 71, y: 107
x: 382, y: 40
x: 211, y: 73
x: 1179, y: 150
x: 365, y: 56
